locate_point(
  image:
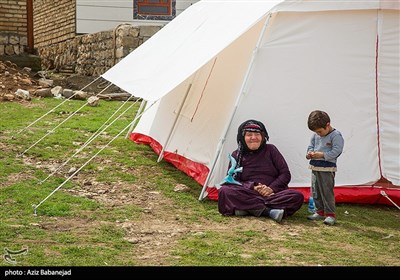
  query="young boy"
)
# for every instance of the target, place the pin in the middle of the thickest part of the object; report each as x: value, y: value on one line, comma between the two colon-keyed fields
x: 326, y: 145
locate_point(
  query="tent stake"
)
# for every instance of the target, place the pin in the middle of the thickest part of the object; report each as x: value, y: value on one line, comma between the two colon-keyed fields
x: 385, y: 195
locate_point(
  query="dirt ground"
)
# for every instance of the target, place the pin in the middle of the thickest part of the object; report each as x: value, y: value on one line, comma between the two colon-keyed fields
x: 156, y: 233
x: 13, y: 78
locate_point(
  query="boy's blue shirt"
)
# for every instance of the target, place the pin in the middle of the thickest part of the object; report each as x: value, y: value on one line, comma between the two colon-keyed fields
x: 331, y: 145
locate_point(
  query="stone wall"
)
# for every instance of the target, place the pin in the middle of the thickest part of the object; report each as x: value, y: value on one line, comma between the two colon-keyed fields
x: 12, y: 43
x: 13, y: 27
x: 93, y: 54
x: 55, y: 40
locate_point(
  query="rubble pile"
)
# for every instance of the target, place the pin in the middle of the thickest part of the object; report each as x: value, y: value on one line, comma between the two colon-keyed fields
x: 12, y: 78
x: 22, y: 84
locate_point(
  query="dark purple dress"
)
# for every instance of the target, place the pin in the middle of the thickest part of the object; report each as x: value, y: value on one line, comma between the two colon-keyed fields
x: 266, y: 166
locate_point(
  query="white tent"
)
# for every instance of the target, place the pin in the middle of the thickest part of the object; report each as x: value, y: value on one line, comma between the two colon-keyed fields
x: 220, y: 63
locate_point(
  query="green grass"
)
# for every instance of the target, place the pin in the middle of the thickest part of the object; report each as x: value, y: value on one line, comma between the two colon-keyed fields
x: 121, y: 209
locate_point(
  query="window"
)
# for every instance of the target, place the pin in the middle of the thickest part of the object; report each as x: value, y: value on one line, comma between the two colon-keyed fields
x: 154, y: 9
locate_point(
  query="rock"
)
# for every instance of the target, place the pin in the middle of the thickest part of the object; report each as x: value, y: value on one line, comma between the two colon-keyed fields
x: 46, y: 82
x: 24, y: 94
x: 81, y: 95
x: 57, y: 91
x: 67, y: 93
x: 93, y: 101
x: 44, y: 92
x: 181, y: 188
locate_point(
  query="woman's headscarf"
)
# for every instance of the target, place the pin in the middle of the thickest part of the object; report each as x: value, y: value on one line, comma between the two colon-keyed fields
x: 253, y: 126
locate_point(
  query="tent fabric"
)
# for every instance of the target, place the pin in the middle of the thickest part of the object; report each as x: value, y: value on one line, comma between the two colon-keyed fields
x: 167, y: 58
x: 337, y: 5
x: 350, y: 194
x: 275, y: 62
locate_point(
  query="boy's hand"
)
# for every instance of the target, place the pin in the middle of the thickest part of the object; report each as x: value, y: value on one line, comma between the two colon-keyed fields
x: 310, y: 155
x: 314, y: 155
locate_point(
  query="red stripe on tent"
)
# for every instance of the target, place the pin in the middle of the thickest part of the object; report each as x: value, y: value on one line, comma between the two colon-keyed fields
x: 366, y: 194
x: 360, y: 194
x: 195, y: 170
x: 347, y: 194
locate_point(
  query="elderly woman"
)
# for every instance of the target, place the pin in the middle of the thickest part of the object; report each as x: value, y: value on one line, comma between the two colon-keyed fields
x: 260, y: 185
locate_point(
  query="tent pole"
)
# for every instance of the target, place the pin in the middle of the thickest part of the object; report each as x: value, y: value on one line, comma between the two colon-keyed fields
x: 241, y: 93
x: 175, y: 121
x: 141, y: 108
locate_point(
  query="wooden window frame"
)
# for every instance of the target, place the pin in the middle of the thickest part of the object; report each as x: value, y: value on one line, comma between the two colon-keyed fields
x: 169, y: 4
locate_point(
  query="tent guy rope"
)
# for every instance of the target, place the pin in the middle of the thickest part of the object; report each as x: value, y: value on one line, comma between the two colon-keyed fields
x: 53, y: 130
x: 93, y: 137
x: 52, y: 110
x: 385, y: 195
x: 36, y: 206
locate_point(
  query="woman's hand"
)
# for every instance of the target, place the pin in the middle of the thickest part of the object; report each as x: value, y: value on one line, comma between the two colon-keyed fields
x: 264, y: 190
